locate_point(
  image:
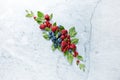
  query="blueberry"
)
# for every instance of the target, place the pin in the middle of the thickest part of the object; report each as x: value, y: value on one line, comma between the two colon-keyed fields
x: 59, y: 40
x: 59, y: 34
x: 54, y: 37
x: 52, y: 34
x: 55, y: 45
x: 49, y: 36
x: 70, y: 50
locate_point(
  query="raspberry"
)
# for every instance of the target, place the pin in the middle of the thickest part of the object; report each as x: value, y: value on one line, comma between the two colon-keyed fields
x: 77, y: 62
x: 73, y: 46
x: 34, y: 17
x: 64, y: 32
x: 47, y: 17
x: 42, y: 26
x: 62, y: 37
x: 63, y: 43
x: 54, y: 28
x: 75, y: 54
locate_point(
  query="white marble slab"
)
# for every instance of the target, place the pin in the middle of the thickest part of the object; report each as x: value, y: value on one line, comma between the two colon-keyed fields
x: 25, y: 55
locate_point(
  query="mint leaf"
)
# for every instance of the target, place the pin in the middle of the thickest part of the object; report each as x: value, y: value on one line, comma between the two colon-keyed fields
x: 70, y: 58
x: 40, y: 14
x: 59, y: 48
x: 46, y: 36
x: 53, y: 48
x: 47, y: 29
x: 29, y: 14
x: 80, y: 58
x: 61, y: 27
x: 72, y: 32
x: 66, y: 53
x: 74, y: 41
x: 54, y: 24
x: 51, y: 16
x: 39, y: 20
x: 82, y: 67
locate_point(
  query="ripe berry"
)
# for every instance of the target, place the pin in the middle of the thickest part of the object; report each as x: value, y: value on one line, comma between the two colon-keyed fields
x: 48, y: 24
x: 62, y: 37
x: 59, y: 34
x: 77, y: 62
x: 54, y: 28
x: 59, y: 40
x: 64, y: 32
x: 63, y: 44
x: 68, y: 36
x: 73, y: 46
x: 42, y: 26
x: 47, y: 17
x: 70, y: 50
x: 75, y: 54
x: 34, y: 17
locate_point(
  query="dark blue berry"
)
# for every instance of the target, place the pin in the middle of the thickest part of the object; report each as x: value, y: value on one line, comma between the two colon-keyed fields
x: 70, y: 50
x: 59, y: 40
x: 59, y: 34
x: 52, y: 34
x: 55, y: 45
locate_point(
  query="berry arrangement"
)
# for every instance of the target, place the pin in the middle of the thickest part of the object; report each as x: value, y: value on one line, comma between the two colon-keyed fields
x: 62, y: 39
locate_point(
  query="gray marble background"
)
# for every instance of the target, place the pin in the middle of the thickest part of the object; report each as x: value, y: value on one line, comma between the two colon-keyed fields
x: 25, y: 55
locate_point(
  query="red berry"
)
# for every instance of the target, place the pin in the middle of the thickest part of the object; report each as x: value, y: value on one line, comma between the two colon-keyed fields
x: 75, y: 54
x: 77, y: 62
x: 34, y: 17
x: 42, y: 26
x: 69, y: 40
x: 62, y: 37
x: 63, y: 44
x: 47, y: 17
x: 73, y: 46
x: 68, y: 36
x: 64, y: 32
x: 48, y: 24
x: 54, y: 28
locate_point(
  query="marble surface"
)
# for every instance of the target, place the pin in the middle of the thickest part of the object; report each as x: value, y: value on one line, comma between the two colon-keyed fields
x: 25, y: 55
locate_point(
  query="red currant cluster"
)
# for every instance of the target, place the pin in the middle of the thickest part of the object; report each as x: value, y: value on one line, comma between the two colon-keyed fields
x: 60, y: 37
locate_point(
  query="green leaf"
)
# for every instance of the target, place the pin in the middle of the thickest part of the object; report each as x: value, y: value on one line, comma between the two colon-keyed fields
x: 46, y: 36
x: 80, y: 58
x: 66, y: 53
x: 70, y: 58
x: 53, y: 48
x: 29, y: 14
x: 47, y: 29
x: 82, y: 67
x: 75, y: 40
x: 54, y: 24
x: 51, y: 16
x: 72, y: 32
x: 40, y: 14
x: 61, y: 27
x: 39, y: 20
x: 59, y: 48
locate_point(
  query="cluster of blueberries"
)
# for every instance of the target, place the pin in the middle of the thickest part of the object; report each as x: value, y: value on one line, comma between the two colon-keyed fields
x: 55, y: 39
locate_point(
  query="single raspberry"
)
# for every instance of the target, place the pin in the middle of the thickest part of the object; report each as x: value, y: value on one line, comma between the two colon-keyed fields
x: 62, y: 37
x: 47, y: 17
x: 73, y: 46
x: 54, y: 28
x: 35, y: 17
x: 42, y: 26
x: 63, y: 44
x: 64, y: 32
x: 77, y: 62
x: 75, y: 54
